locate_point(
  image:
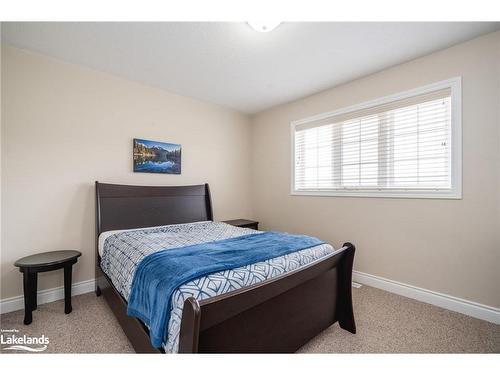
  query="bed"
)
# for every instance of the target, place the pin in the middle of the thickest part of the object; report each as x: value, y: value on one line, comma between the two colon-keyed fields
x: 277, y: 313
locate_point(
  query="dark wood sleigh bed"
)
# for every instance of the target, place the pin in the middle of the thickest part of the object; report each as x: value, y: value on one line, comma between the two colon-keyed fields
x: 276, y: 316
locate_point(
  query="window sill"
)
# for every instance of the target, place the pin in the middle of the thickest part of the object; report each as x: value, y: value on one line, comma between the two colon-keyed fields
x: 414, y: 194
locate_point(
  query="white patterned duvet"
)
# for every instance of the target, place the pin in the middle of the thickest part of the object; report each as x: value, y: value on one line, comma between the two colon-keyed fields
x: 121, y: 252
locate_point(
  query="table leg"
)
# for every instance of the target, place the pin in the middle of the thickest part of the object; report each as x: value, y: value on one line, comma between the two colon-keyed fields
x: 35, y: 294
x: 67, y: 289
x: 29, y: 286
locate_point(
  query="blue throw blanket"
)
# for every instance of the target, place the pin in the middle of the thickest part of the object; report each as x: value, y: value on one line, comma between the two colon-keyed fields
x: 159, y: 274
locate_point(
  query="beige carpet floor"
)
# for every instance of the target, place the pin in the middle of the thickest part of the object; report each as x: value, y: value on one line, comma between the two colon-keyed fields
x: 386, y: 323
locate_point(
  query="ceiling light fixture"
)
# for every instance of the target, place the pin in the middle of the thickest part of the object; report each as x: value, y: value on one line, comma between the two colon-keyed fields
x: 263, y: 27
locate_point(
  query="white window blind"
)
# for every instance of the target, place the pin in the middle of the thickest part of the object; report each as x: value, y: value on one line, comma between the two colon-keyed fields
x: 400, y: 146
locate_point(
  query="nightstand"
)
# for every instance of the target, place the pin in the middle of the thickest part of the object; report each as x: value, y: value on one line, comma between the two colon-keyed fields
x: 243, y: 223
x: 31, y: 265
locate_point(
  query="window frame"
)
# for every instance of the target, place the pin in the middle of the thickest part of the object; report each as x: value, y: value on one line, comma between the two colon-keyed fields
x: 455, y: 192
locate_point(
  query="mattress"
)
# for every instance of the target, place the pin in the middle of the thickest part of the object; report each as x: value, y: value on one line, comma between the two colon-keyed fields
x: 121, y: 252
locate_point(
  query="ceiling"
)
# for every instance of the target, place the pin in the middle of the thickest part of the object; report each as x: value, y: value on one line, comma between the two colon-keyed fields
x: 234, y: 66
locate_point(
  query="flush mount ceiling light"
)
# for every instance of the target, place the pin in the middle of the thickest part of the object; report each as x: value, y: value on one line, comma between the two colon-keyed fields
x: 263, y: 27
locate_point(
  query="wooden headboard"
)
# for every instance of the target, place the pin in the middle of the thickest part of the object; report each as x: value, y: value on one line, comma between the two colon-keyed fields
x: 128, y: 207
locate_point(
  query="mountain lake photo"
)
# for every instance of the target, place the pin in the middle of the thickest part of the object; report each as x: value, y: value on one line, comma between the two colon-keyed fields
x: 156, y: 157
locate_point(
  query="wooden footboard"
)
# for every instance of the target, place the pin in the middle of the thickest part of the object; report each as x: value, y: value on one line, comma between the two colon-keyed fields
x: 276, y: 316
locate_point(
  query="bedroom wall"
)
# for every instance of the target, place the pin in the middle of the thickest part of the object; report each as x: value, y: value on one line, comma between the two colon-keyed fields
x: 65, y: 126
x: 448, y: 246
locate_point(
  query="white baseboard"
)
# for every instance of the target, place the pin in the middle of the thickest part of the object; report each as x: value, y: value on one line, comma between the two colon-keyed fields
x: 46, y: 296
x: 356, y: 285
x: 474, y: 309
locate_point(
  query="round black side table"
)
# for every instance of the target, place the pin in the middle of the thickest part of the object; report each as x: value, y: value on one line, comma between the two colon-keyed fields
x: 43, y: 262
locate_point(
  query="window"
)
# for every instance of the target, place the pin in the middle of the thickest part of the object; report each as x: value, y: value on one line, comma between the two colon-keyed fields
x: 405, y: 145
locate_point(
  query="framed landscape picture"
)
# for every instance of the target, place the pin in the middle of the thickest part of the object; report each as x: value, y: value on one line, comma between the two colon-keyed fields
x: 156, y: 157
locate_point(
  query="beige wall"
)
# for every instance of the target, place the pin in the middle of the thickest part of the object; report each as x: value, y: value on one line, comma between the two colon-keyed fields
x: 65, y: 126
x: 449, y: 246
